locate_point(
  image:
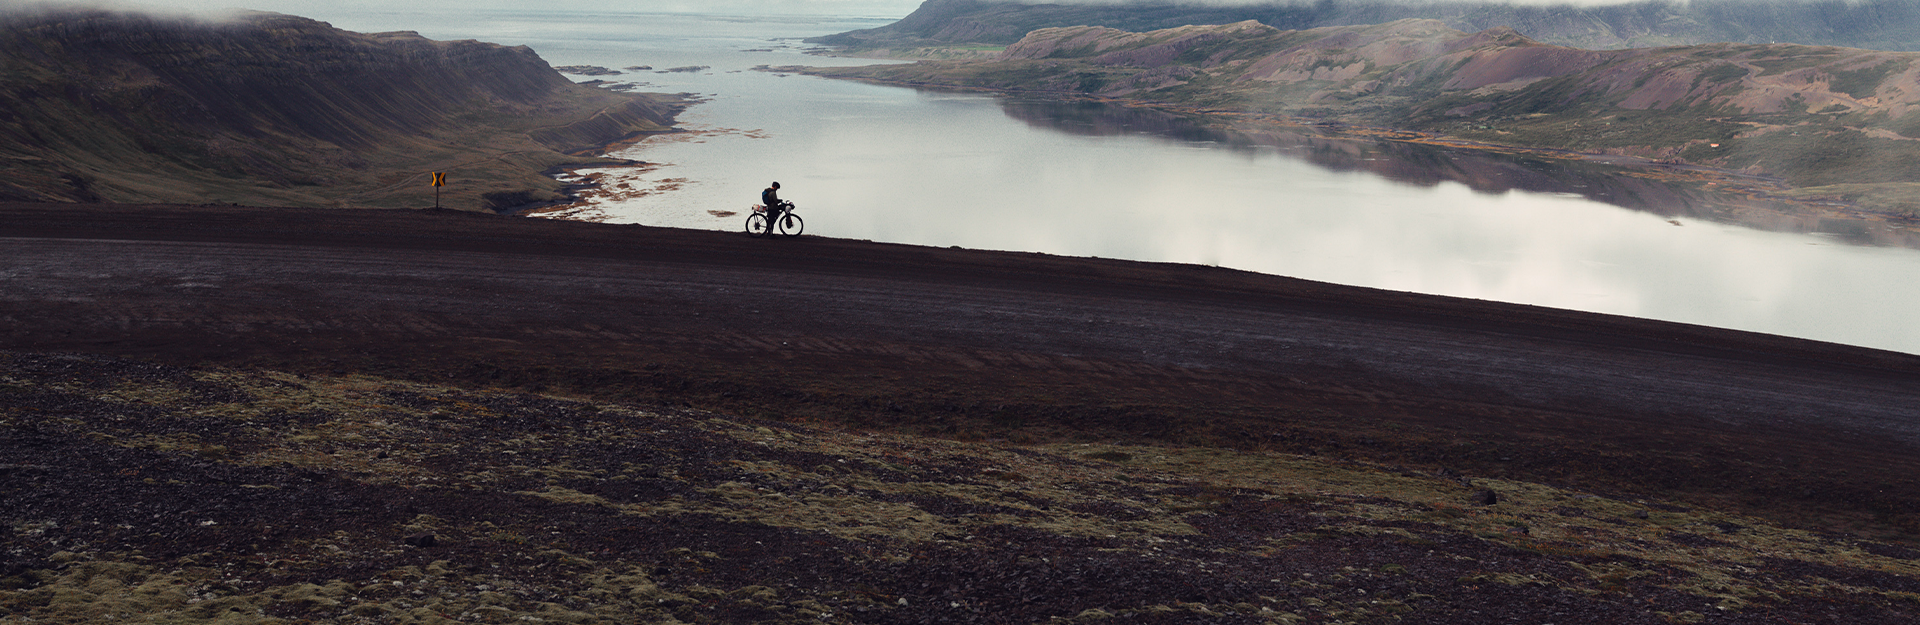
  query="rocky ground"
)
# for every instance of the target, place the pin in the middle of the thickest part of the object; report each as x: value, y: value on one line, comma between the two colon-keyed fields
x: 145, y: 491
x: 251, y: 415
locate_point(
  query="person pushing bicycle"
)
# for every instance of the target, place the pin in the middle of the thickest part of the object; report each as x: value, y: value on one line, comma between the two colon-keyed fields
x: 771, y: 198
x: 774, y: 216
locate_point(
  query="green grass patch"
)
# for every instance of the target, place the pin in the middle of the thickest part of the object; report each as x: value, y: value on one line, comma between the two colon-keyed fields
x: 1861, y: 83
x: 1801, y: 58
x: 1720, y: 72
x: 1814, y: 157
x: 1896, y: 198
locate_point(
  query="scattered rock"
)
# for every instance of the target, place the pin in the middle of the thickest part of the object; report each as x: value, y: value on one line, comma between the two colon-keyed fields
x: 1484, y: 497
x: 422, y: 540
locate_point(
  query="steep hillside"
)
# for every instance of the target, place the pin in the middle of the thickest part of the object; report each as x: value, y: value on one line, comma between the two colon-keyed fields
x: 1814, y: 115
x: 1876, y: 24
x: 282, y: 110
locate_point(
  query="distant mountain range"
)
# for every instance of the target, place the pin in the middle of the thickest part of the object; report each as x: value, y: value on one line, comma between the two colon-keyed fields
x: 276, y: 110
x: 1846, y: 120
x: 1870, y: 24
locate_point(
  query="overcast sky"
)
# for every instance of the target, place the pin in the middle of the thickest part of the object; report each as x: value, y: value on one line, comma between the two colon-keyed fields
x: 313, y: 8
x: 864, y: 8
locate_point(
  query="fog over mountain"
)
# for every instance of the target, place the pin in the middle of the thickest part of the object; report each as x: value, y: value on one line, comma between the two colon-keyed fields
x: 1411, y: 3
x: 1268, y: 3
x: 333, y: 8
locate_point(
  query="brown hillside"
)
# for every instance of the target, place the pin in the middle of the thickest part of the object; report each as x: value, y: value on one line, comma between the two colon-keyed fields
x: 269, y: 108
x: 1814, y: 116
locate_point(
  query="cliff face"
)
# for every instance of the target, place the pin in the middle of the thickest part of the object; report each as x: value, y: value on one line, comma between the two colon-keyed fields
x: 279, y: 109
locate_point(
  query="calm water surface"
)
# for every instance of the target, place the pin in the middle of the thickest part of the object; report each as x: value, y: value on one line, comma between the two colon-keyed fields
x: 980, y: 171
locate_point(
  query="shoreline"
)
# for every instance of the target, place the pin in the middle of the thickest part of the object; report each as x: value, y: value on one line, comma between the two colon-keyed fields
x: 583, y: 192
x: 573, y: 193
x: 1756, y: 192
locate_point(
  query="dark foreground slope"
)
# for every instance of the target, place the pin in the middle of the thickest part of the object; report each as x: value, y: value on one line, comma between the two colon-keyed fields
x: 979, y: 344
x: 454, y: 417
x: 197, y: 495
x: 281, y: 110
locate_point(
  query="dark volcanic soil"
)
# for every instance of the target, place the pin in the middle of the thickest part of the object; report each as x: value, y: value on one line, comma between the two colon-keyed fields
x: 981, y: 345
x: 198, y: 495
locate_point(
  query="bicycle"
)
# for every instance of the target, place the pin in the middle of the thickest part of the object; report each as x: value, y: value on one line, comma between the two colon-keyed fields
x: 787, y: 223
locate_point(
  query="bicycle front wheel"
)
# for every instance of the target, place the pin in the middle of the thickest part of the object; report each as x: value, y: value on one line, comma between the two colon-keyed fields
x: 791, y: 224
x: 757, y: 225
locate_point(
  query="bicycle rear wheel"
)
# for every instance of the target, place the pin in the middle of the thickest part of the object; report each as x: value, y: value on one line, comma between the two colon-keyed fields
x: 791, y: 224
x: 757, y: 225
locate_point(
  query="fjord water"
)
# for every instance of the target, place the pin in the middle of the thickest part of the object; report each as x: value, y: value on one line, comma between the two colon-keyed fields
x: 1087, y: 179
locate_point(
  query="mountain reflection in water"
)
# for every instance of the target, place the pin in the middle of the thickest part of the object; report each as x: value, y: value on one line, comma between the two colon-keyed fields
x: 1483, y: 171
x: 972, y: 170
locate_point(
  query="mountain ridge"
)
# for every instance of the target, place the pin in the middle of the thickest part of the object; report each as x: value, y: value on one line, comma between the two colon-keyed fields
x: 1877, y: 24
x: 1821, y: 118
x: 271, y: 108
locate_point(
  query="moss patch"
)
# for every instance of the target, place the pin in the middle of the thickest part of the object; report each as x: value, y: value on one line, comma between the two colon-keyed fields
x: 339, y: 499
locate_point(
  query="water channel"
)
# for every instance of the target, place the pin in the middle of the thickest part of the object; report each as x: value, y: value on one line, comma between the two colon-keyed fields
x: 1090, y: 179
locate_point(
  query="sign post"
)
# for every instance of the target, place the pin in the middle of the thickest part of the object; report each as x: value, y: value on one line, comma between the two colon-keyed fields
x: 439, y: 180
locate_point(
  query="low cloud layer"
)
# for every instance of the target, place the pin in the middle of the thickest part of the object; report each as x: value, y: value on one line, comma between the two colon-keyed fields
x: 190, y: 8
x: 214, y: 8
x: 1252, y: 3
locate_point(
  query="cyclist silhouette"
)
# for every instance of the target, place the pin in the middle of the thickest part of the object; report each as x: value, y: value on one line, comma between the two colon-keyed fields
x: 771, y: 198
x: 774, y: 216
